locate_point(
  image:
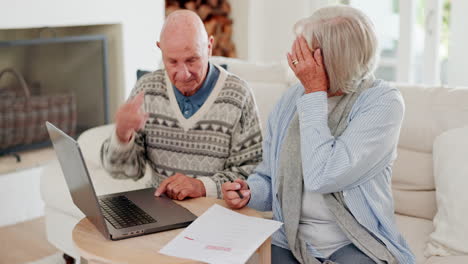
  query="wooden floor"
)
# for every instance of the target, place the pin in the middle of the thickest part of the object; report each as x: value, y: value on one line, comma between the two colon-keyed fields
x: 29, y: 159
x: 24, y: 242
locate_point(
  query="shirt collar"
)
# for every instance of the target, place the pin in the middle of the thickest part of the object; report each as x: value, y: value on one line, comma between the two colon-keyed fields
x: 200, y: 96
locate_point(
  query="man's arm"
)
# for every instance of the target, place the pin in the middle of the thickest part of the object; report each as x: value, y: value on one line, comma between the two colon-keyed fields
x: 123, y: 154
x: 245, y: 152
x: 124, y: 160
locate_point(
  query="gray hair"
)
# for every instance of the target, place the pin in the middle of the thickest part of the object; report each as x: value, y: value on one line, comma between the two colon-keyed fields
x: 348, y: 42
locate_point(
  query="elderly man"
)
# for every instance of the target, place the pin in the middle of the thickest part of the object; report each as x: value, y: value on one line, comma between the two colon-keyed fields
x: 329, y: 148
x: 195, y: 124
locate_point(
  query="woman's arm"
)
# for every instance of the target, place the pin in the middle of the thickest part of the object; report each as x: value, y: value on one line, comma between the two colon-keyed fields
x: 366, y: 146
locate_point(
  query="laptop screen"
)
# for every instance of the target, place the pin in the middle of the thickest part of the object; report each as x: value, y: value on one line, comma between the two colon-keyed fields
x: 77, y: 177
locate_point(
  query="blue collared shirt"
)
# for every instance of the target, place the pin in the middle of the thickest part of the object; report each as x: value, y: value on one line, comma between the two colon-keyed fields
x: 358, y: 162
x: 189, y: 105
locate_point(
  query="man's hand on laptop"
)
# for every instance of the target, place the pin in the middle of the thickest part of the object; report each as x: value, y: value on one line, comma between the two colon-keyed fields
x: 130, y: 118
x: 180, y: 186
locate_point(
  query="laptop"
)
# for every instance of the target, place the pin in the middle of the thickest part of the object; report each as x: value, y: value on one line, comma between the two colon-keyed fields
x: 118, y: 215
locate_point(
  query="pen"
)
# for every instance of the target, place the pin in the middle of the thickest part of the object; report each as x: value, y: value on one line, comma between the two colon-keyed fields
x: 239, y: 193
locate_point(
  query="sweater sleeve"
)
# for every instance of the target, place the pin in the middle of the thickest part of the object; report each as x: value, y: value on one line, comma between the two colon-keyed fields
x: 125, y: 160
x: 245, y: 152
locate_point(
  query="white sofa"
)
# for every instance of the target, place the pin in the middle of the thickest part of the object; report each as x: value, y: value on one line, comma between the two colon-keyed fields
x: 429, y: 112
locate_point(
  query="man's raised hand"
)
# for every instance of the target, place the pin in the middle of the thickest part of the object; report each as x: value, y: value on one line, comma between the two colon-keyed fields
x: 130, y: 118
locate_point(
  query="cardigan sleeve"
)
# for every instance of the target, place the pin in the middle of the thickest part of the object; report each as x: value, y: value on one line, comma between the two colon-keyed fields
x: 336, y: 164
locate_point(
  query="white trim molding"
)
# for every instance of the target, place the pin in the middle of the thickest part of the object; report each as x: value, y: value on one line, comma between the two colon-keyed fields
x: 431, y: 65
x: 405, y: 57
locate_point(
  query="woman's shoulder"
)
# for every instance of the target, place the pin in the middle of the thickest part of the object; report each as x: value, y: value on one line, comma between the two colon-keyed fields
x: 382, y: 96
x: 381, y: 91
x: 285, y: 106
x: 287, y: 101
x: 292, y: 94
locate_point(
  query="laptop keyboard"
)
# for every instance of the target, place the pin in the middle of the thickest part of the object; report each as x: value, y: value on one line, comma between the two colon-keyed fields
x: 122, y: 213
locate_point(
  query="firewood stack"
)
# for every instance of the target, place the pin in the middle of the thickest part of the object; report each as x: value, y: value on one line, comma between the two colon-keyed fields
x: 215, y: 16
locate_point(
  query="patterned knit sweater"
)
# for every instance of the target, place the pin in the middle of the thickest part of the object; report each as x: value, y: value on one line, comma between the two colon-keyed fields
x: 220, y: 142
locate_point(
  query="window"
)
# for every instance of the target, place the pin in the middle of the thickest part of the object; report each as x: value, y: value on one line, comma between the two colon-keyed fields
x: 444, y: 40
x: 414, y: 38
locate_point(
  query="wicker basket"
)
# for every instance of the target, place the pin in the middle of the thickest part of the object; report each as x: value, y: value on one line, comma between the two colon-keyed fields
x: 22, y: 118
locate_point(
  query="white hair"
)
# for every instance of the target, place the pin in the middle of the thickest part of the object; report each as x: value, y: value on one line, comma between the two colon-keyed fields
x: 348, y: 42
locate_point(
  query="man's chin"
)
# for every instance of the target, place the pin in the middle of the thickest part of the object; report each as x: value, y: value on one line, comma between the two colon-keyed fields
x: 186, y: 88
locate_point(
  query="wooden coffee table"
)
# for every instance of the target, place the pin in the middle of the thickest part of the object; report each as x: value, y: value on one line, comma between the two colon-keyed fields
x: 95, y: 248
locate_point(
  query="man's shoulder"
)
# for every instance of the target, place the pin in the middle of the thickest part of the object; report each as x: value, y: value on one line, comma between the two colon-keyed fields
x: 239, y: 85
x: 151, y: 82
x: 156, y: 76
x: 235, y: 80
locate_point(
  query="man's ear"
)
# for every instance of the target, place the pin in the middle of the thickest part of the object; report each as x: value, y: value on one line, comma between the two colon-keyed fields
x: 157, y: 44
x: 210, y: 45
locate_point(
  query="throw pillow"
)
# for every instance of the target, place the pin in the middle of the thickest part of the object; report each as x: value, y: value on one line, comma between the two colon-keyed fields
x: 450, y: 154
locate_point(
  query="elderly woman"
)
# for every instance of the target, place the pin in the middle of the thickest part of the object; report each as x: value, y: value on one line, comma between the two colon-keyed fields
x: 329, y: 149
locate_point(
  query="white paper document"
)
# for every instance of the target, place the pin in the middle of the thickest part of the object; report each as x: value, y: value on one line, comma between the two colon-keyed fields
x: 221, y: 236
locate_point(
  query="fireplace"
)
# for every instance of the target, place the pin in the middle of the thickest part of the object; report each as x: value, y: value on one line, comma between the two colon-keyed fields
x: 67, y: 60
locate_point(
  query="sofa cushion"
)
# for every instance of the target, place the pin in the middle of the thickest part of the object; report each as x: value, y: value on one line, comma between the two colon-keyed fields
x: 429, y: 112
x: 413, y: 171
x: 420, y: 204
x: 451, y: 176
x: 416, y: 232
x: 265, y: 103
x: 413, y: 180
x: 90, y: 143
x: 448, y: 260
x: 252, y: 71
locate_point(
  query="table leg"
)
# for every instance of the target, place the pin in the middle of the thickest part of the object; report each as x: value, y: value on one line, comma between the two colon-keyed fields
x: 264, y: 252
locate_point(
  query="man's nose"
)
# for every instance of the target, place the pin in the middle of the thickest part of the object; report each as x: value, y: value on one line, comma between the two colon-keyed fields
x: 183, y: 71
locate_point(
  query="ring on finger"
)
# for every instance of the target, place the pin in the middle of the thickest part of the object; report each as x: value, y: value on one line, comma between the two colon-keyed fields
x: 294, y: 62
